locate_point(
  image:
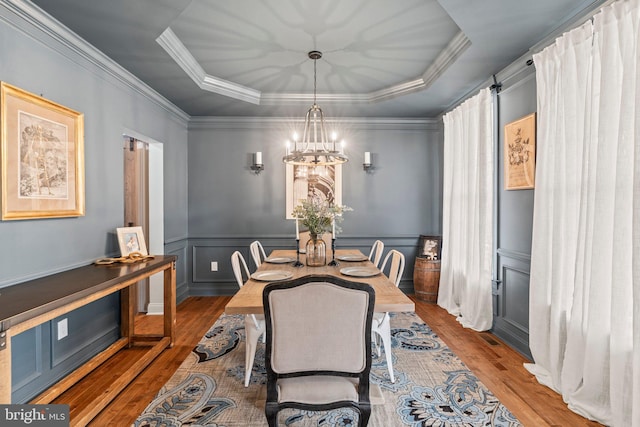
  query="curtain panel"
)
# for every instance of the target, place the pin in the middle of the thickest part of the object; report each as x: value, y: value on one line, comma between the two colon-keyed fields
x: 585, y: 265
x: 465, y: 277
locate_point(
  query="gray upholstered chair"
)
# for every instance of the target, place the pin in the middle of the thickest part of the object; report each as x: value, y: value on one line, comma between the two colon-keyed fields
x: 381, y: 325
x: 318, y: 354
x: 376, y: 252
x: 253, y: 323
x: 257, y: 253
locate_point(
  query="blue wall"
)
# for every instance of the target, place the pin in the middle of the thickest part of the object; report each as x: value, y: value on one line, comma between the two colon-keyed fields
x: 69, y: 72
x: 514, y: 225
x: 230, y: 205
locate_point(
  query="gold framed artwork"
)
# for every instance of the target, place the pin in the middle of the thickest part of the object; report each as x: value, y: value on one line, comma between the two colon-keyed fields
x: 131, y: 239
x: 323, y: 183
x: 520, y: 153
x: 42, y: 146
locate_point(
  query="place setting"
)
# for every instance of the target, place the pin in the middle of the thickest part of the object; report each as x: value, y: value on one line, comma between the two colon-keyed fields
x: 272, y: 275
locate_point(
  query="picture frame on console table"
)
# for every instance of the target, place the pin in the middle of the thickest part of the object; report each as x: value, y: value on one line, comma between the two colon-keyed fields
x: 42, y: 145
x: 131, y: 239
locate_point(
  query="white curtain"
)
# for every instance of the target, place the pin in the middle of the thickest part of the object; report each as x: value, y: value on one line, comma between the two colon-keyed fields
x: 585, y: 264
x: 465, y: 277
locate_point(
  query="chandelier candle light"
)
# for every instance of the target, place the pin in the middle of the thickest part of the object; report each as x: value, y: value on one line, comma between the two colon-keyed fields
x: 315, y: 148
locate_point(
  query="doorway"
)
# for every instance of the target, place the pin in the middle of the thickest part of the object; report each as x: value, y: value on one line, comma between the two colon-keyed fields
x: 144, y: 207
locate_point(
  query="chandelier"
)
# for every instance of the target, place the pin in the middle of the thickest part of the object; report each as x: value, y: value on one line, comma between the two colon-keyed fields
x: 314, y: 148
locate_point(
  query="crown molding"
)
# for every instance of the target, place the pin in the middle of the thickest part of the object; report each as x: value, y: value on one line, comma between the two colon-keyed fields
x: 174, y: 47
x: 51, y: 27
x: 185, y: 60
x: 285, y: 123
x: 520, y: 67
x: 456, y: 47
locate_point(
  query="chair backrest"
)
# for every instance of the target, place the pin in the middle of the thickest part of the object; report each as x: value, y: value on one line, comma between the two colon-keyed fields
x: 318, y: 325
x: 257, y: 253
x: 239, y: 266
x: 376, y: 252
x: 396, y: 266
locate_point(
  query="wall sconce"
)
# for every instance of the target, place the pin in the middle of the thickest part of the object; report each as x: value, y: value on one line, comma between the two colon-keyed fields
x: 257, y: 165
x: 367, y: 161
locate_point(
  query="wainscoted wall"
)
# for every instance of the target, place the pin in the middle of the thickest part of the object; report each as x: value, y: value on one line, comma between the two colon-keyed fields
x: 230, y: 205
x: 514, y: 226
x: 39, y: 359
x: 44, y: 58
x: 222, y: 282
x: 179, y: 248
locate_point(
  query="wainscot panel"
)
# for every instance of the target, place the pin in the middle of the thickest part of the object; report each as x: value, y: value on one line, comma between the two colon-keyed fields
x: 92, y: 328
x: 206, y: 250
x: 511, y: 301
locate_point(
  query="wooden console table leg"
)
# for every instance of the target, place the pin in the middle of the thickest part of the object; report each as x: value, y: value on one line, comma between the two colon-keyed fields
x: 127, y: 320
x: 5, y: 368
x: 170, y: 303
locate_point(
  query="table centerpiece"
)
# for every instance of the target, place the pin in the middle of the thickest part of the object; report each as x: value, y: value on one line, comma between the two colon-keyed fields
x: 319, y: 217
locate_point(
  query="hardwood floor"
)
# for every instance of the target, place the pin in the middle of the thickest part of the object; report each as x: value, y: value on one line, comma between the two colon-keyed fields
x: 494, y: 363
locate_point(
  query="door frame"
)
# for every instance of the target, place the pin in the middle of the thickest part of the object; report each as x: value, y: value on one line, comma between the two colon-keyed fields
x: 156, y: 214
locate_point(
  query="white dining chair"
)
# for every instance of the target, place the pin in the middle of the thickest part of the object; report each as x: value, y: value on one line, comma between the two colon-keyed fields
x: 376, y: 252
x: 254, y: 325
x: 381, y: 327
x: 257, y: 253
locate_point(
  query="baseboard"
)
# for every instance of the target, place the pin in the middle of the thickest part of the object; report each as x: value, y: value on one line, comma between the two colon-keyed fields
x: 155, y: 308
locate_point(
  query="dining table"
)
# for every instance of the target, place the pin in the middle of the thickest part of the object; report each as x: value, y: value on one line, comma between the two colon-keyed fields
x: 352, y: 265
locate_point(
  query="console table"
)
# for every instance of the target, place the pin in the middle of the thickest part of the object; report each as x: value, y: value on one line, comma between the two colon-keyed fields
x: 26, y: 305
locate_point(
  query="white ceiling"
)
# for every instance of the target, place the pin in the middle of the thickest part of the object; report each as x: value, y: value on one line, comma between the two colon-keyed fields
x: 381, y: 58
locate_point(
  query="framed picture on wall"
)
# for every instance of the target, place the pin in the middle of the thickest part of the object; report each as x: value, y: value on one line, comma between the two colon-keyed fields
x: 520, y: 153
x: 430, y: 247
x: 42, y: 145
x: 323, y: 183
x: 131, y: 239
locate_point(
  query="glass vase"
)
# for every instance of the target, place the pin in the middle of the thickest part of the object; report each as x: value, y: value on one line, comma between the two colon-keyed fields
x: 316, y: 251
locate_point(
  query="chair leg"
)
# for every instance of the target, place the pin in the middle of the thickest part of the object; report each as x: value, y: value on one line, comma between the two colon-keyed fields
x: 271, y: 412
x: 385, y: 334
x: 364, y: 413
x: 250, y: 351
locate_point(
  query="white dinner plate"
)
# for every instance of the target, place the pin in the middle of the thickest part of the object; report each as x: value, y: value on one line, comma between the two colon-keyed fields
x: 280, y: 260
x: 360, y: 271
x: 271, y: 275
x: 352, y: 258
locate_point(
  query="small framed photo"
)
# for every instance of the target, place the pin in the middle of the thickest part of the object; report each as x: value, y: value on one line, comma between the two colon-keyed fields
x: 430, y: 247
x: 131, y: 239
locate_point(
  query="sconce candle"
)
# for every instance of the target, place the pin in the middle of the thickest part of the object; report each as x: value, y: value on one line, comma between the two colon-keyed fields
x: 367, y: 158
x: 258, y: 159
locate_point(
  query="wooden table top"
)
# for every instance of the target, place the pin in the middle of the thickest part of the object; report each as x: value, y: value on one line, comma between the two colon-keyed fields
x: 248, y: 300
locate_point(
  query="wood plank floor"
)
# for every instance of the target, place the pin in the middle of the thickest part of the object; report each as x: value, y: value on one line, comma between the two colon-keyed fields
x: 494, y: 363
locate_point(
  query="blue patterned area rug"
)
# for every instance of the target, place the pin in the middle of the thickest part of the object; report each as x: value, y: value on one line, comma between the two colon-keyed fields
x: 433, y: 387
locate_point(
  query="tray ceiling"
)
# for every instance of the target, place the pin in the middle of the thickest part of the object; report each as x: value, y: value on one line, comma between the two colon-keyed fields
x: 405, y: 58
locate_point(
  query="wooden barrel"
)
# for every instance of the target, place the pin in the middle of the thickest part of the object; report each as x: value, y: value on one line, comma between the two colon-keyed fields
x: 426, y: 279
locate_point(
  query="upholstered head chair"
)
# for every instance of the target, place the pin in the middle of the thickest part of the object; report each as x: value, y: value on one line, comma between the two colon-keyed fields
x: 318, y: 353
